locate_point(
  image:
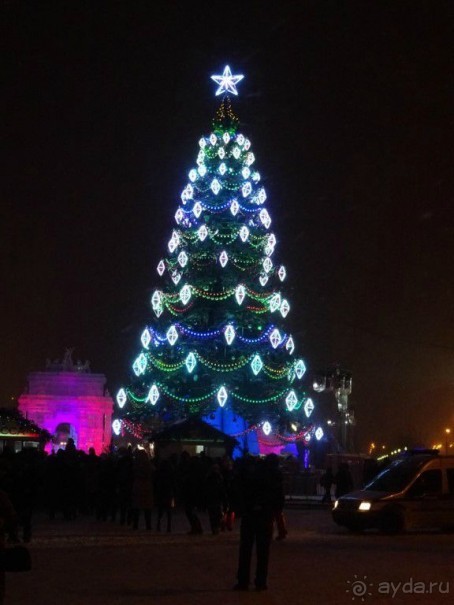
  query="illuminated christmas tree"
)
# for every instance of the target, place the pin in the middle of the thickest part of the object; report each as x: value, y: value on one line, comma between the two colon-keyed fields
x: 216, y: 343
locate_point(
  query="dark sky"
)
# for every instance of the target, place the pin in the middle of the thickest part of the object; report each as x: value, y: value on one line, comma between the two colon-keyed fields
x: 349, y: 109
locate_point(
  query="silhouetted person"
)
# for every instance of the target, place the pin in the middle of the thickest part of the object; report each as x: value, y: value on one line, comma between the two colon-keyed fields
x: 215, y: 497
x: 260, y: 493
x: 8, y: 521
x: 326, y: 481
x: 343, y: 480
x: 142, y: 489
x: 165, y: 493
x: 191, y: 489
x: 125, y: 479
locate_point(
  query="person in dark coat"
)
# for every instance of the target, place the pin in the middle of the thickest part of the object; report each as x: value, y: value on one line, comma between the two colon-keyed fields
x: 215, y: 497
x: 142, y: 489
x: 259, y: 494
x: 343, y: 480
x: 8, y: 522
x: 191, y: 490
x: 165, y: 493
x: 326, y: 481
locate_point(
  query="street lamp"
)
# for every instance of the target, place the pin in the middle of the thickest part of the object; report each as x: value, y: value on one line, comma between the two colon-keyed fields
x: 447, y: 433
x: 338, y: 381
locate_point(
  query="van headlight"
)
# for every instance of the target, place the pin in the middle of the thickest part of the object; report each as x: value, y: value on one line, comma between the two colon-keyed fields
x: 364, y: 506
x: 336, y: 504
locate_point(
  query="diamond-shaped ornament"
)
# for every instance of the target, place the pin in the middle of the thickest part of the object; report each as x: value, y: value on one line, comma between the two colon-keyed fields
x: 215, y: 186
x: 285, y: 308
x: 183, y: 258
x: 185, y: 294
x: 275, y: 338
x: 234, y: 207
x: 121, y: 398
x: 145, y: 338
x: 229, y: 334
x: 308, y: 407
x: 240, y: 293
x: 222, y: 396
x: 282, y: 273
x: 256, y: 364
x: 161, y: 267
x: 223, y: 258
x: 190, y: 362
x: 300, y: 368
x: 244, y: 233
x: 153, y: 394
x: 202, y: 233
x: 197, y: 209
x: 172, y: 335
x: 291, y: 400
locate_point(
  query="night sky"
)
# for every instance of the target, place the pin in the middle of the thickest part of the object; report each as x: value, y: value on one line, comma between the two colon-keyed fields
x: 349, y: 109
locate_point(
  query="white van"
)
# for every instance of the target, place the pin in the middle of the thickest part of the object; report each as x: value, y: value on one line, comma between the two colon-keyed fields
x: 415, y: 491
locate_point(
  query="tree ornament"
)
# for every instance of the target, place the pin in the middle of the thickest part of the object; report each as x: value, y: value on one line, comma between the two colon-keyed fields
x: 172, y: 335
x: 116, y: 426
x: 222, y: 169
x: 153, y: 395
x: 227, y: 82
x: 140, y: 365
x: 240, y: 293
x: 256, y: 364
x: 300, y: 368
x: 265, y: 218
x: 308, y: 407
x: 190, y: 362
x: 197, y: 209
x: 185, y: 294
x: 223, y: 258
x: 215, y: 186
x: 282, y: 273
x: 121, y: 398
x: 221, y: 153
x: 222, y: 396
x: 244, y: 233
x: 226, y: 137
x: 202, y: 169
x: 229, y: 334
x: 266, y: 428
x: 145, y: 338
x: 192, y: 175
x: 291, y: 400
x: 202, y: 233
x: 245, y: 173
x: 236, y: 152
x: 285, y: 308
x: 319, y: 433
x: 161, y: 267
x: 234, y: 207
x: 275, y: 338
x: 290, y: 345
x: 183, y: 258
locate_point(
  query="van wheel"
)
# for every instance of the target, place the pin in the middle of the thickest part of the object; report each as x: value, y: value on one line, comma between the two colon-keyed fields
x: 392, y: 522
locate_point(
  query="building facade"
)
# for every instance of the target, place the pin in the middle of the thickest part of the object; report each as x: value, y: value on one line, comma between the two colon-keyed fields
x: 70, y: 402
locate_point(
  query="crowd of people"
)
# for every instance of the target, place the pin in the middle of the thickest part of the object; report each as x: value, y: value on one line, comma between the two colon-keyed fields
x: 126, y: 485
x: 123, y: 487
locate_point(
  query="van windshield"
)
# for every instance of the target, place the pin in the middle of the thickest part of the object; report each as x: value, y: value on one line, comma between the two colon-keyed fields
x: 397, y: 475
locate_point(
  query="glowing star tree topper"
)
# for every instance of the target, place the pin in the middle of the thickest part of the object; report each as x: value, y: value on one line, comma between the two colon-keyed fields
x: 227, y: 82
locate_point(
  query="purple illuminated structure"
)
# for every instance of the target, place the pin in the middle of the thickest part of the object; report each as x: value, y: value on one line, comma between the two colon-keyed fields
x: 69, y: 401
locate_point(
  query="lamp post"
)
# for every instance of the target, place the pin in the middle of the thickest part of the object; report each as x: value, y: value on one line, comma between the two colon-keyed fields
x: 447, y: 433
x: 338, y: 381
